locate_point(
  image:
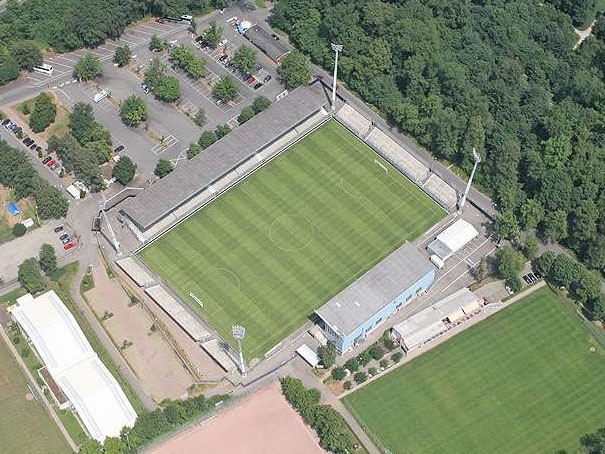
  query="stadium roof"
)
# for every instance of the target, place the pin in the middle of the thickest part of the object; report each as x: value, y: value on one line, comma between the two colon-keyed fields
x: 191, y: 178
x: 375, y: 289
x: 452, y: 239
x: 73, y: 364
x: 275, y: 49
x: 431, y: 321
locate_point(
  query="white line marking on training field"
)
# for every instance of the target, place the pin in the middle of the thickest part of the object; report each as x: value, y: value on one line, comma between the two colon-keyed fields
x: 196, y: 299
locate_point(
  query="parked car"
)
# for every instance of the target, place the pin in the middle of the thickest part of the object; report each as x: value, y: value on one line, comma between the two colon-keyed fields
x: 8, y: 125
x: 64, y: 237
x: 274, y: 36
x: 118, y: 148
x: 222, y: 42
x: 267, y: 79
x: 58, y: 229
x: 223, y: 57
x: 257, y: 86
x: 159, y: 20
x: 66, y: 240
x: 258, y: 68
x: 33, y: 145
x: 5, y: 122
x: 250, y: 79
x: 51, y: 162
x: 46, y: 159
x: 27, y: 140
x: 68, y: 246
x: 54, y: 166
x: 200, y: 39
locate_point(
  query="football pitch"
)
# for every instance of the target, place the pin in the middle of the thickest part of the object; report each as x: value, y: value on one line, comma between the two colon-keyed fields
x: 529, y: 379
x: 287, y: 238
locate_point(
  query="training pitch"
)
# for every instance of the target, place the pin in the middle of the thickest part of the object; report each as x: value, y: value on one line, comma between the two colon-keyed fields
x: 25, y: 426
x: 290, y: 236
x: 529, y: 379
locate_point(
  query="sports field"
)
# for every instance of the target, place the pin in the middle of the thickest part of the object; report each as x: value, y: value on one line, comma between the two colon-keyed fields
x: 290, y: 236
x: 25, y: 426
x: 530, y: 379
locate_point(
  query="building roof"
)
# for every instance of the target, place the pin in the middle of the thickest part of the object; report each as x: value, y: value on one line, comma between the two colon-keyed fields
x: 74, y: 365
x: 431, y: 321
x: 357, y: 303
x: 261, y: 38
x: 192, y: 177
x: 457, y: 235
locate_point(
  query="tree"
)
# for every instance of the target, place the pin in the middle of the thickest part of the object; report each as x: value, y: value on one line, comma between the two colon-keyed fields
x: 87, y: 68
x: 82, y: 122
x: 44, y: 113
x: 338, y: 373
x: 91, y: 446
x: 27, y: 54
x: 155, y: 73
x: 508, y: 262
x: 225, y: 89
x: 360, y: 377
x: 260, y: 103
x: 327, y: 354
x: 200, y: 118
x: 506, y: 226
x: 168, y: 89
x: 295, y: 70
x: 114, y: 445
x: 564, y: 270
x: 530, y: 245
x: 555, y: 225
x: 133, y: 110
x: 124, y: 170
x: 122, y: 55
x: 29, y: 276
x: 213, y: 34
x: 222, y: 130
x: 19, y: 230
x: 101, y: 149
x: 352, y: 365
x: 244, y: 58
x: 532, y: 213
x: 156, y: 44
x: 206, y: 139
x: 9, y: 70
x: 246, y: 114
x: 193, y: 150
x: 163, y: 168
x: 48, y: 259
x: 52, y: 204
x: 543, y: 264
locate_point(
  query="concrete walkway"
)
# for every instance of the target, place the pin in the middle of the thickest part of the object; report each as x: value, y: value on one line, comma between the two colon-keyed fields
x: 34, y: 383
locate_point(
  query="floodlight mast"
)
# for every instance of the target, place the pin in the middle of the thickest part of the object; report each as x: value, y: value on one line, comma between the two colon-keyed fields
x: 239, y: 332
x: 337, y: 48
x: 116, y: 243
x: 477, y: 158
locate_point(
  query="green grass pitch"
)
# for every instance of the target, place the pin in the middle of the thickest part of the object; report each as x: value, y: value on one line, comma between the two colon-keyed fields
x: 25, y: 426
x: 282, y: 242
x: 522, y: 381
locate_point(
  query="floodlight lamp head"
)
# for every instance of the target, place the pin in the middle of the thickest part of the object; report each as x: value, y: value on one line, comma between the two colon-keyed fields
x: 476, y: 156
x: 239, y: 332
x: 336, y: 47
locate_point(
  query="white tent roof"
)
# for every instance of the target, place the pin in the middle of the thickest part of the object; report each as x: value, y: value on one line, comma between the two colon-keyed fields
x: 457, y: 235
x: 73, y: 364
x: 308, y: 355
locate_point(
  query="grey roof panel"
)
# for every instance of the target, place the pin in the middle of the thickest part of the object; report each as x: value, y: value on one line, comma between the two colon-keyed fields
x: 357, y: 303
x: 275, y: 49
x: 189, y: 179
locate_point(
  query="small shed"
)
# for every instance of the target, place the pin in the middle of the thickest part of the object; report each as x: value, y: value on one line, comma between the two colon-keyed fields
x: 13, y: 209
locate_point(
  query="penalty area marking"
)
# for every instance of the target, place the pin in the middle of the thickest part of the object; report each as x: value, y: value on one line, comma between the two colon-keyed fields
x: 196, y: 299
x: 379, y: 164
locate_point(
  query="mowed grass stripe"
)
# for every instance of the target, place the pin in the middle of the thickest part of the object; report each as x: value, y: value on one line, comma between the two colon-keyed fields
x: 522, y: 381
x: 300, y: 190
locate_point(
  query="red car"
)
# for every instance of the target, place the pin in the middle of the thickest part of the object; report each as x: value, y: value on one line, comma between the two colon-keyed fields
x: 51, y: 162
x: 159, y: 20
x: 68, y: 246
x: 251, y: 79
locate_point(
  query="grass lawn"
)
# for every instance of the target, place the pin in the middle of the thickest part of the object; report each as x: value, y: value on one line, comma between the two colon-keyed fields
x: 25, y: 426
x: 522, y: 381
x: 290, y: 236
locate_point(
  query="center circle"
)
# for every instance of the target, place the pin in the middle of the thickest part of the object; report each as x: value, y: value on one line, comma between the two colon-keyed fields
x: 291, y: 232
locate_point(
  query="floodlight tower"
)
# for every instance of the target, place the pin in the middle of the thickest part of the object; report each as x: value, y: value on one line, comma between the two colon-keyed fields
x: 337, y: 48
x: 239, y: 332
x: 114, y: 240
x: 477, y: 158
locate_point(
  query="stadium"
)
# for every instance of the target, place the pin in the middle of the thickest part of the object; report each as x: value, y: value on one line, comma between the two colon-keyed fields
x: 294, y: 210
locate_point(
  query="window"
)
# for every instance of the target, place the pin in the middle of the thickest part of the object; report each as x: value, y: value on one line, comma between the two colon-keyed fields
x: 409, y: 297
x: 378, y: 321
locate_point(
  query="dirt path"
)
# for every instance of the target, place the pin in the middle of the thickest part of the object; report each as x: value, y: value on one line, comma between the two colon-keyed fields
x: 583, y: 34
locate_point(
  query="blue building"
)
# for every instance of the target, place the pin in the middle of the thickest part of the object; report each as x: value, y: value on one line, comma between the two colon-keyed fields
x: 357, y: 310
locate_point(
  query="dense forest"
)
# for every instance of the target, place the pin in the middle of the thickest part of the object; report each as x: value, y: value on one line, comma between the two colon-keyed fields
x: 498, y: 75
x: 64, y: 25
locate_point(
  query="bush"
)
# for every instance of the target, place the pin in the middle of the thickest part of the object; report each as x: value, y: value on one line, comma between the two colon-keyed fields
x: 364, y: 358
x: 29, y: 276
x: 19, y: 230
x: 124, y: 170
x: 193, y: 150
x: 134, y: 110
x: 200, y: 118
x: 360, y: 377
x: 372, y: 371
x: 122, y: 56
x: 376, y: 352
x: 348, y: 385
x: 206, y: 139
x: 246, y: 114
x: 87, y: 68
x: 339, y: 373
x: 225, y: 89
x: 222, y: 130
x: 396, y: 357
x: 389, y: 344
x: 384, y: 363
x: 260, y: 103
x: 352, y: 364
x: 163, y: 168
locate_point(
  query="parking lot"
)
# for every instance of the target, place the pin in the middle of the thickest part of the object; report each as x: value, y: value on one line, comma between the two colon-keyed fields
x: 135, y: 37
